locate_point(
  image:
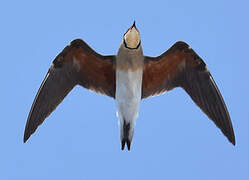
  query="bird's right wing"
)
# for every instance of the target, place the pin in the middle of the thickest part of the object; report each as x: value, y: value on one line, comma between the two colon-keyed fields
x: 76, y: 64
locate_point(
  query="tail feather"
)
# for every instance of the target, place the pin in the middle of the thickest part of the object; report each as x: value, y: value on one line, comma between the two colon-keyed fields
x: 126, y: 136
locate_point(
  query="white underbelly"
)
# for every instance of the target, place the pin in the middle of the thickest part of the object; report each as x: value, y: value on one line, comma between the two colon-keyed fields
x: 128, y: 94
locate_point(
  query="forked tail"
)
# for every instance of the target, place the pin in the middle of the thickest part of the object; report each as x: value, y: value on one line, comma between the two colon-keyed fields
x: 127, y: 132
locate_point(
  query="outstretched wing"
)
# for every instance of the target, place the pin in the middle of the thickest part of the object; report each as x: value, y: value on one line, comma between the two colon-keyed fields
x: 180, y: 66
x: 76, y: 64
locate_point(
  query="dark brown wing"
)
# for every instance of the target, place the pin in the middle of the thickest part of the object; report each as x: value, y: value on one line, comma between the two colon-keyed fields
x: 180, y: 66
x: 76, y: 64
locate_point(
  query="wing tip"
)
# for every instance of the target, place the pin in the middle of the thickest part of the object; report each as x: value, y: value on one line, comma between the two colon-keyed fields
x: 26, y: 137
x: 27, y: 133
x: 232, y: 139
x: 229, y: 133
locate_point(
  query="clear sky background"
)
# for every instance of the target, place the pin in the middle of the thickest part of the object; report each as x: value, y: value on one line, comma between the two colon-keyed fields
x: 80, y: 140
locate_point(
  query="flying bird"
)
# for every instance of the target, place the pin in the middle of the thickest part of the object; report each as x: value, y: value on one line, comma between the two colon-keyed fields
x: 129, y: 77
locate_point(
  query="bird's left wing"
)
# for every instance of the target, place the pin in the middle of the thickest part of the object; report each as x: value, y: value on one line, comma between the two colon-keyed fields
x: 180, y: 66
x: 76, y: 64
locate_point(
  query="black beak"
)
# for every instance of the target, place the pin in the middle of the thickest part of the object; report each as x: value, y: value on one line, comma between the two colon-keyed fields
x: 134, y: 24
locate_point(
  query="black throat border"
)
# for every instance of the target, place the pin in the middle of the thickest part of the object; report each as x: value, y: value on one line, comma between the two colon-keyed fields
x: 130, y: 47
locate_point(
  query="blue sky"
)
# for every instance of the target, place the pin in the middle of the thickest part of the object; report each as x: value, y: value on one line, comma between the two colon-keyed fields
x: 80, y: 140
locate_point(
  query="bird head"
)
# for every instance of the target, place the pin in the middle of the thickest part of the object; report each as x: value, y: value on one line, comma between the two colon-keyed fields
x: 132, y: 37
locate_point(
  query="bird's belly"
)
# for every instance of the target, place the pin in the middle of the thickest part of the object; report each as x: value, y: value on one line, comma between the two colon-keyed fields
x: 128, y: 94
